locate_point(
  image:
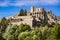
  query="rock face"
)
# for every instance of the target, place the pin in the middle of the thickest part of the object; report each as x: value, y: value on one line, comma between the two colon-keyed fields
x: 36, y: 16
x: 52, y: 17
x: 43, y: 15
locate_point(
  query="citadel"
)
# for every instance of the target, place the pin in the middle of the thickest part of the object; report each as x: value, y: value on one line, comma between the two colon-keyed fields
x: 34, y: 16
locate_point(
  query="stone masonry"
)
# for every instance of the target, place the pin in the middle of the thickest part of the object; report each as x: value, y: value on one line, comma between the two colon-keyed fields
x: 35, y: 16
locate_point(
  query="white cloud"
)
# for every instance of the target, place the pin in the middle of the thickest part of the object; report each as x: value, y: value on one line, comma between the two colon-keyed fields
x: 50, y: 1
x: 28, y: 2
x: 4, y: 3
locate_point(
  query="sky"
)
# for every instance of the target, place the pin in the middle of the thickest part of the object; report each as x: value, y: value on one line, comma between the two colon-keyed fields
x: 12, y: 7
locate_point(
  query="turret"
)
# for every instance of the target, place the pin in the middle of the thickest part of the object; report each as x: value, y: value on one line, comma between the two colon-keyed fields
x: 32, y: 9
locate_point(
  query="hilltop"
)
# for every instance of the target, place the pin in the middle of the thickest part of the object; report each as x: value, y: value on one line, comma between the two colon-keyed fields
x: 35, y: 17
x: 37, y: 24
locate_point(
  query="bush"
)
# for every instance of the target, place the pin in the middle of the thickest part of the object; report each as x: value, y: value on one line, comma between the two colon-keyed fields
x: 14, y: 30
x: 55, y: 32
x: 24, y: 36
x: 1, y: 38
x: 24, y: 32
x: 4, y: 24
x: 10, y: 32
x: 24, y: 27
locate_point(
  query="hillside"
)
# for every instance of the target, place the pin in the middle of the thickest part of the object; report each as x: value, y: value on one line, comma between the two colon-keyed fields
x: 35, y: 17
x: 37, y: 24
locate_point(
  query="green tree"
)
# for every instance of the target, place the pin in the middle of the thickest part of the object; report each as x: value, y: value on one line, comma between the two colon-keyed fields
x: 36, y: 34
x: 10, y: 33
x: 25, y: 36
x: 4, y: 23
x: 22, y: 12
x: 56, y: 32
x: 46, y: 32
x: 1, y: 37
x: 24, y: 27
x: 25, y: 12
x: 42, y: 33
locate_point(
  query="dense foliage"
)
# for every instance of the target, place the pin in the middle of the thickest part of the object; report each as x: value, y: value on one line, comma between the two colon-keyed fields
x: 24, y: 32
x: 22, y: 12
x: 4, y: 23
x: 1, y: 38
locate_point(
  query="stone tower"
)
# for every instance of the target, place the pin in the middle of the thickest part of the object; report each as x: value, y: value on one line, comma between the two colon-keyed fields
x: 32, y: 9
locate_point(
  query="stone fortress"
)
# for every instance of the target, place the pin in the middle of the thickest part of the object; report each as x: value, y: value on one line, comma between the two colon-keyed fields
x: 35, y: 16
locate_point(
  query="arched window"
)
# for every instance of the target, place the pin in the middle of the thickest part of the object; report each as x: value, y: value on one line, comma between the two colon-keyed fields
x: 30, y: 14
x: 21, y: 19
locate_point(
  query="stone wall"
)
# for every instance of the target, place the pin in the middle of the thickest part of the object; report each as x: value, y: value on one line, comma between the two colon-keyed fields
x: 22, y: 19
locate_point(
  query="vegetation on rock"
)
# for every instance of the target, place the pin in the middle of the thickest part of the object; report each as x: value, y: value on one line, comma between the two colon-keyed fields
x: 22, y: 13
x: 24, y: 32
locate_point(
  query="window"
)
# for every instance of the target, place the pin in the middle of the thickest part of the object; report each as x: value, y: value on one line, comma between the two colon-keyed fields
x: 31, y: 14
x: 21, y: 19
x: 48, y: 12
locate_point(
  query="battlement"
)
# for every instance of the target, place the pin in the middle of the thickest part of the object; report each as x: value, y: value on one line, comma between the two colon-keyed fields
x: 39, y: 9
x: 33, y: 9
